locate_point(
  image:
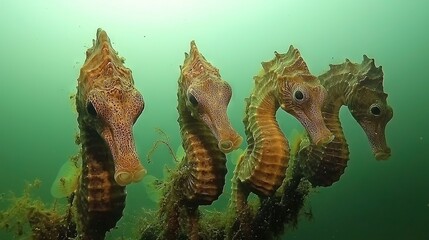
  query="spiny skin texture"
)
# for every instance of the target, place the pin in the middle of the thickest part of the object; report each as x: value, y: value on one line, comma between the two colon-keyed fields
x: 360, y: 87
x: 207, y: 135
x: 284, y: 82
x: 107, y: 106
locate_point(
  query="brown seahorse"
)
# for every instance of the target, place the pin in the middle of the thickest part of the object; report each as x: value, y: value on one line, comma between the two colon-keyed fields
x: 360, y: 88
x: 284, y: 82
x: 108, y: 105
x: 207, y: 135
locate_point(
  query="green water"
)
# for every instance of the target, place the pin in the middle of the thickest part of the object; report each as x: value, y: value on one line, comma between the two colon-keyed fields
x: 42, y: 48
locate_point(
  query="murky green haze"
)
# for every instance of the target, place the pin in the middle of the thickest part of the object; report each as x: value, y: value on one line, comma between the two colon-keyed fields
x: 43, y: 44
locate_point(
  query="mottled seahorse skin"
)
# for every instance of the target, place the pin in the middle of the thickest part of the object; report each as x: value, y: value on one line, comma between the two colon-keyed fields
x: 360, y: 88
x: 108, y: 105
x: 206, y: 135
x: 283, y: 82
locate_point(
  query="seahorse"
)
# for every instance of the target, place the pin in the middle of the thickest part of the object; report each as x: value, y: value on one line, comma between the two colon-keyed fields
x: 284, y: 82
x: 360, y: 88
x: 108, y: 105
x: 206, y: 135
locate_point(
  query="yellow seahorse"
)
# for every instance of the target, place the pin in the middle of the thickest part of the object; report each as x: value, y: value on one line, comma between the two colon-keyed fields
x: 207, y: 135
x: 284, y: 82
x: 108, y: 105
x: 360, y: 88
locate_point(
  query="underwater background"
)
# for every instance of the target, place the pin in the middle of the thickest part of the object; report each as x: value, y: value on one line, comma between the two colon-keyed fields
x: 43, y: 44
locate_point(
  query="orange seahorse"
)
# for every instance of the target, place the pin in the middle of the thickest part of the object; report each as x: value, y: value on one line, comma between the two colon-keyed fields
x: 108, y: 105
x: 284, y: 82
x: 206, y: 135
x: 360, y: 88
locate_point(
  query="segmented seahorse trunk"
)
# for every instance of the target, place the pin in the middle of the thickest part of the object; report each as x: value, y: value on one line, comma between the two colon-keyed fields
x: 107, y: 105
x: 100, y: 200
x: 324, y: 165
x: 204, y: 164
x: 206, y: 136
x: 284, y: 82
x: 263, y: 167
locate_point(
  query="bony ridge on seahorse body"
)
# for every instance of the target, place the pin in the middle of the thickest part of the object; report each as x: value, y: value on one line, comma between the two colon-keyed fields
x: 108, y: 105
x: 206, y: 135
x: 284, y: 82
x: 360, y: 88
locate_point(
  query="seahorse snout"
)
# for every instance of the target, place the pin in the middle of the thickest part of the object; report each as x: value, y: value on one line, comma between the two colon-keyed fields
x: 128, y: 167
x: 323, y: 137
x: 126, y: 177
x: 227, y: 145
x: 382, y: 155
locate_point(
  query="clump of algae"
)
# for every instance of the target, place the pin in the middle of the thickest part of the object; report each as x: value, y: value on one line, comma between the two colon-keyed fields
x: 28, y: 217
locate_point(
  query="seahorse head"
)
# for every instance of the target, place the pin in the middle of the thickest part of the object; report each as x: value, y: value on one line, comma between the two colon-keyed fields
x: 108, y: 103
x: 207, y: 97
x: 114, y: 112
x: 300, y: 93
x: 368, y: 105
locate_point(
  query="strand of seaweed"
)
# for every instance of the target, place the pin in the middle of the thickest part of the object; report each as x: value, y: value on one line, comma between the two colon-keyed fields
x: 165, y: 140
x: 28, y: 217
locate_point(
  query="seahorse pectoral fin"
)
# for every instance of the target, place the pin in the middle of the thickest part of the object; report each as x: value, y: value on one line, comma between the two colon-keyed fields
x: 236, y: 155
x: 67, y: 179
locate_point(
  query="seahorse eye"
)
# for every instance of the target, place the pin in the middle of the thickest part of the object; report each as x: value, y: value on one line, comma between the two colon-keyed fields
x: 375, y: 110
x: 193, y: 100
x: 90, y: 109
x: 298, y: 95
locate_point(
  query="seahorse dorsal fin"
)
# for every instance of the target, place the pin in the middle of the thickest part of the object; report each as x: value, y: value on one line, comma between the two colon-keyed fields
x: 295, y: 141
x: 235, y: 156
x: 67, y: 179
x: 180, y: 152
